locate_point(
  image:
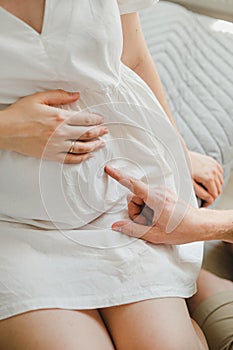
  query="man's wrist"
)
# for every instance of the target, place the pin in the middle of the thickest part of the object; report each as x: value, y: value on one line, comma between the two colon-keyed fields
x: 216, y: 224
x: 3, y: 130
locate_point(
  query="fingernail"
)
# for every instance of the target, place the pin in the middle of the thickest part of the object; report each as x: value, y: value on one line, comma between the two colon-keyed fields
x: 75, y: 94
x: 106, y: 131
x: 116, y: 228
x: 133, y: 180
x: 100, y: 117
x: 102, y: 145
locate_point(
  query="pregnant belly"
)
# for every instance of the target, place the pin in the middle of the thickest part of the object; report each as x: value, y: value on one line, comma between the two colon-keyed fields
x: 45, y: 193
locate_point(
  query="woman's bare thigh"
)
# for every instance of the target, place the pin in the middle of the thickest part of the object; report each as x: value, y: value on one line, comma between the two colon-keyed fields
x: 152, y: 325
x: 55, y: 329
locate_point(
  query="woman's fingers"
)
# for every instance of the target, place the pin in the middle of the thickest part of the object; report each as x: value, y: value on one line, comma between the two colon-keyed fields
x: 211, y: 183
x: 220, y: 169
x: 41, y: 129
x: 56, y: 97
x: 220, y: 178
x: 85, y: 119
x: 219, y: 186
x: 212, y: 188
x: 82, y: 133
x: 203, y: 194
x: 68, y: 158
x: 84, y: 147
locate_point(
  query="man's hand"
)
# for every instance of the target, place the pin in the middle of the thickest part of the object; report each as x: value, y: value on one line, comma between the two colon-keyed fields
x: 207, y: 177
x: 151, y: 211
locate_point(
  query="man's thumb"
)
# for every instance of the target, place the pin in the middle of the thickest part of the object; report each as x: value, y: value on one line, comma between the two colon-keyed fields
x: 130, y: 228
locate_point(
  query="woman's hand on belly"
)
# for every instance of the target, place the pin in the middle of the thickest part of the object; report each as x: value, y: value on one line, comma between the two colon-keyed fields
x: 34, y: 126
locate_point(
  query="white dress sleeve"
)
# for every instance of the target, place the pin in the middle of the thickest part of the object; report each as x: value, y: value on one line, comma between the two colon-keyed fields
x: 128, y: 6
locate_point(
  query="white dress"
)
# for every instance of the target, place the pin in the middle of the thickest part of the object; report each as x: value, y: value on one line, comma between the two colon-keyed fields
x: 57, y: 248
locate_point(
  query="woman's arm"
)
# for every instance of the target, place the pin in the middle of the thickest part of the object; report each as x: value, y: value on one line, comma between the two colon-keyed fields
x: 34, y: 126
x: 136, y: 56
x: 206, y: 172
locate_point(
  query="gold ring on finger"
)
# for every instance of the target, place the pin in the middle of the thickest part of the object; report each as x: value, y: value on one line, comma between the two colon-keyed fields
x: 72, y: 147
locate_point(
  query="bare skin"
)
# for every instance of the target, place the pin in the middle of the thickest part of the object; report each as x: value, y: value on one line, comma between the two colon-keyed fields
x: 58, y: 328
x: 30, y: 12
x: 171, y: 329
x: 150, y: 211
x: 55, y: 329
x: 34, y: 126
x: 207, y: 173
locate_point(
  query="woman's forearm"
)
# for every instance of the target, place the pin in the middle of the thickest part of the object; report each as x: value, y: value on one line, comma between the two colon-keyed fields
x: 147, y: 70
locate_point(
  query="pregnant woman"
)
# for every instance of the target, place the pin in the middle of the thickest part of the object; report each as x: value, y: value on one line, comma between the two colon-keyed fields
x: 66, y: 280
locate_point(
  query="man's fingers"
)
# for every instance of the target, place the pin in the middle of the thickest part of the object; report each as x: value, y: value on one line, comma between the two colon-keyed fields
x: 141, y: 220
x: 134, y: 210
x: 119, y: 176
x: 136, y: 186
x: 131, y: 229
x: 133, y: 198
x: 203, y: 194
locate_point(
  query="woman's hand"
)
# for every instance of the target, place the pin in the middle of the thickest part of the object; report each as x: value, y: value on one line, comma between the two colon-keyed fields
x: 151, y: 211
x: 34, y: 126
x: 207, y: 177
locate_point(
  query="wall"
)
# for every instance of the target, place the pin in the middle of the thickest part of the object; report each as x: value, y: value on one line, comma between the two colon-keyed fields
x: 217, y: 8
